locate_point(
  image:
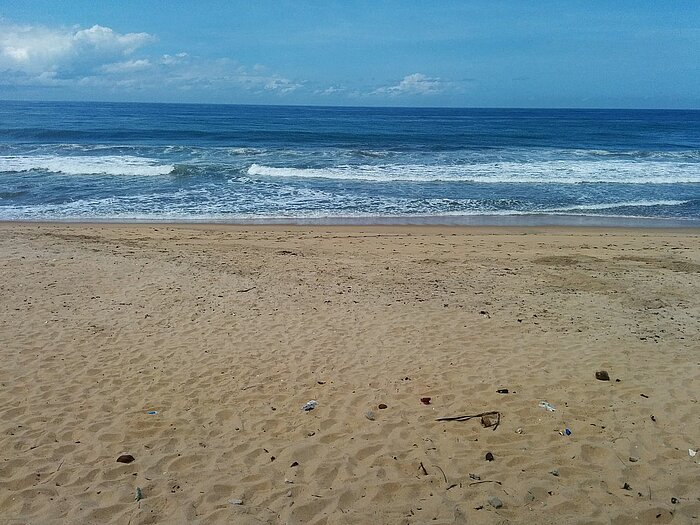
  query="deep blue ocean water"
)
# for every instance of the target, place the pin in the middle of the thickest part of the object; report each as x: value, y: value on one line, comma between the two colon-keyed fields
x: 83, y: 161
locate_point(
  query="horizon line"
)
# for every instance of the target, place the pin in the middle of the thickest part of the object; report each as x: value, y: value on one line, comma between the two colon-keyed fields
x: 589, y: 108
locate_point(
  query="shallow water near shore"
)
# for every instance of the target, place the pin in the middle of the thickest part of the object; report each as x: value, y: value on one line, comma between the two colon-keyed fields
x: 171, y: 162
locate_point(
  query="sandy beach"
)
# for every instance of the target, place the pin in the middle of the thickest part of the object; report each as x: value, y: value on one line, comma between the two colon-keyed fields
x: 193, y: 348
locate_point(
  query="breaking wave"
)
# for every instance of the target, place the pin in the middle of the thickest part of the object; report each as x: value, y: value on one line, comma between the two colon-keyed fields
x: 556, y: 171
x: 95, y: 165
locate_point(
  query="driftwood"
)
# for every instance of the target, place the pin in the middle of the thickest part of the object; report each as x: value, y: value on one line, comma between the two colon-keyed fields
x: 486, y: 418
x: 485, y: 481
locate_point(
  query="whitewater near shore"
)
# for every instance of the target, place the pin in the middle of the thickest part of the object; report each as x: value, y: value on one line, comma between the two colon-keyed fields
x: 191, y: 163
x: 193, y: 349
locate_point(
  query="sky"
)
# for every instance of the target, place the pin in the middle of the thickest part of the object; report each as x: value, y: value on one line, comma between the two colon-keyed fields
x: 491, y: 53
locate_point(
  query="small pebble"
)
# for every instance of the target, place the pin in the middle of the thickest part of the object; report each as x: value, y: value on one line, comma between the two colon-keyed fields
x: 634, y: 459
x: 289, y: 494
x: 489, y: 456
x: 602, y: 375
x: 125, y: 458
x: 495, y: 502
x: 554, y: 472
x: 381, y: 406
x: 674, y: 500
x: 236, y: 501
x: 626, y: 486
x: 474, y: 476
x: 370, y: 415
x: 519, y: 431
x: 312, y: 433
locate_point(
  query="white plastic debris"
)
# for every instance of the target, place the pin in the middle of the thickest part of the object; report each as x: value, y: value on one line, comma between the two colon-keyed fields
x: 310, y: 405
x: 547, y: 406
x: 692, y: 452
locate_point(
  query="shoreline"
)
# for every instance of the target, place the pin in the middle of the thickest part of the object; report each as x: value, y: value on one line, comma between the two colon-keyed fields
x: 500, y: 221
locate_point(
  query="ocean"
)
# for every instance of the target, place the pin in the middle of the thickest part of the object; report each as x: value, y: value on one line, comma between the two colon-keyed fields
x: 228, y: 163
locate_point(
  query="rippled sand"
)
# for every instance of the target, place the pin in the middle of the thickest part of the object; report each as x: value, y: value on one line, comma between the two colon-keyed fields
x: 226, y: 332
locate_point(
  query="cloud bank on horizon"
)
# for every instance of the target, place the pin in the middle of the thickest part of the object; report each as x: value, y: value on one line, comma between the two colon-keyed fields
x: 98, y: 56
x: 356, y: 52
x: 38, y: 56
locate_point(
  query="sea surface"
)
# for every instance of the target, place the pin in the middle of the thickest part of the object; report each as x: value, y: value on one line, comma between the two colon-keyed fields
x: 179, y: 162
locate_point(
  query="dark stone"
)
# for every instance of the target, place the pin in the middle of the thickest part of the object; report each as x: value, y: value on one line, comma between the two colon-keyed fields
x: 602, y: 375
x: 502, y: 390
x: 381, y: 406
x: 489, y: 456
x: 495, y: 502
x: 125, y: 458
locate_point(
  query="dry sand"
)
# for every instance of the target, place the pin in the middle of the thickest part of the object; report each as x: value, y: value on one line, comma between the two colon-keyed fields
x: 227, y: 331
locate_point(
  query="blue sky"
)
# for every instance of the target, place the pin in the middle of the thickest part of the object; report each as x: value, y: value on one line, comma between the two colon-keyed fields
x: 392, y: 53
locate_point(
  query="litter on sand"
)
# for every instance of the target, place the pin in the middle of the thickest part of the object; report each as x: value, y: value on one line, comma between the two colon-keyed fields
x: 547, y: 406
x: 489, y: 419
x: 310, y: 405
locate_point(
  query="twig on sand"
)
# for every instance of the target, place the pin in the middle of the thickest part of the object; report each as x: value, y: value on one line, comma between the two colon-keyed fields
x: 485, y: 481
x: 251, y: 386
x: 247, y: 289
x: 443, y: 473
x: 618, y: 457
x: 422, y: 467
x: 468, y: 417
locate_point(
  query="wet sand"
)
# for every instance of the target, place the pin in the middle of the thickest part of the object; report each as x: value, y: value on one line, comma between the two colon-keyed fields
x: 226, y: 331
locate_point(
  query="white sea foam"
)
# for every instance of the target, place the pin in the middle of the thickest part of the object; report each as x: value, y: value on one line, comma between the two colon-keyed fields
x: 74, y: 165
x: 246, y: 151
x: 613, y: 205
x: 556, y: 171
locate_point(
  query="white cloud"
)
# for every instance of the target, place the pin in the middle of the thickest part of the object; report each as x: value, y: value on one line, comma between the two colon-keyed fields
x: 282, y: 85
x: 104, y: 38
x: 98, y: 56
x: 127, y: 66
x: 173, y: 59
x: 38, y: 49
x: 415, y: 84
x: 331, y: 90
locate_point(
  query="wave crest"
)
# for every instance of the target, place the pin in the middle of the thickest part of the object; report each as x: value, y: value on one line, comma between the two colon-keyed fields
x: 558, y: 172
x: 94, y: 165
